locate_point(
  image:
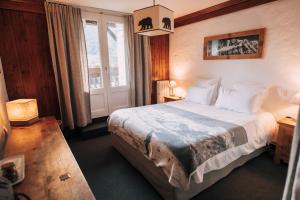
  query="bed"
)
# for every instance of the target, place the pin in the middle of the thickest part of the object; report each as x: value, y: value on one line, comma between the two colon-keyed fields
x: 182, y: 147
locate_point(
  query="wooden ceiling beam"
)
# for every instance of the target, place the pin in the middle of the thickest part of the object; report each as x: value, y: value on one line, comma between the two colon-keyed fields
x: 218, y: 10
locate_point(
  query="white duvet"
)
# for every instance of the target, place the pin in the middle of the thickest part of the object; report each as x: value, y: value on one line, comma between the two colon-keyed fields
x: 133, y: 125
x: 259, y: 127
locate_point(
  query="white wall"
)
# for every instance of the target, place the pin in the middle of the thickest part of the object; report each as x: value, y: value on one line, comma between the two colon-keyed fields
x: 279, y: 66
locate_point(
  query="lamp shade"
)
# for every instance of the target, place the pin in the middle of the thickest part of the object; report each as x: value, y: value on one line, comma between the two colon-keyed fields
x: 172, y: 84
x: 154, y: 20
x: 295, y: 99
x: 22, y: 112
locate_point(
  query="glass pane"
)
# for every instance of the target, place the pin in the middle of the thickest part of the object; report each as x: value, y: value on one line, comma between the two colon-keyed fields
x: 91, y: 33
x: 116, y: 53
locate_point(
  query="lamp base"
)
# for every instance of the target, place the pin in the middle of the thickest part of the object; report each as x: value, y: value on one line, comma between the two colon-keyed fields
x: 24, y: 123
x: 171, y: 92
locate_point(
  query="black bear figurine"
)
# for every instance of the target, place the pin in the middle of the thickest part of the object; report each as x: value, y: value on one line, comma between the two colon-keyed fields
x: 146, y: 23
x: 167, y: 23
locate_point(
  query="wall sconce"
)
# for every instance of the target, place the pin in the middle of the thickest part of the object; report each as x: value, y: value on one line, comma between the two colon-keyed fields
x: 172, y: 84
x: 295, y: 99
x: 22, y: 112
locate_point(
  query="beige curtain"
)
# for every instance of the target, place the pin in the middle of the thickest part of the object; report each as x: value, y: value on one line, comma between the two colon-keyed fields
x: 139, y: 61
x: 4, y: 122
x: 69, y: 57
x: 292, y: 185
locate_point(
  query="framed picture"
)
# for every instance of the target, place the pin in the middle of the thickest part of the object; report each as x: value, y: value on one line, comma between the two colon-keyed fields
x: 240, y: 45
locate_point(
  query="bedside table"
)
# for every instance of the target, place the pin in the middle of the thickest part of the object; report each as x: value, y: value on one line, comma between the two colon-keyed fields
x: 172, y: 98
x: 284, y: 139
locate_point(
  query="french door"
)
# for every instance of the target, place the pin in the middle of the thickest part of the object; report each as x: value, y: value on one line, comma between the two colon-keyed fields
x: 107, y: 62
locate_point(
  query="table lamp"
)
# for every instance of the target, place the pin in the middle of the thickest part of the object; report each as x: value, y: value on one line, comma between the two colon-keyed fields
x: 22, y: 112
x: 172, y: 84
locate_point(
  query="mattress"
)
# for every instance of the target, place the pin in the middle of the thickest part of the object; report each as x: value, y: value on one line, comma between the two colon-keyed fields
x: 241, y: 134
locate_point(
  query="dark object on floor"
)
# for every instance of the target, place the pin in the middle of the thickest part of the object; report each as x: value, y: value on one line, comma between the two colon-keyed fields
x: 97, y: 128
x: 111, y: 177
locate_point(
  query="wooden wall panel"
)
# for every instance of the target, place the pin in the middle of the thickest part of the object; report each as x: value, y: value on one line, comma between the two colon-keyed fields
x: 36, y: 6
x: 25, y: 55
x: 160, y: 61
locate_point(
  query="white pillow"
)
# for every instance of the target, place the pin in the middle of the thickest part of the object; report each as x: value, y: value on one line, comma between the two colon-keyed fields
x: 201, y: 95
x: 239, y: 100
x: 210, y: 82
x: 207, y: 82
x: 260, y: 91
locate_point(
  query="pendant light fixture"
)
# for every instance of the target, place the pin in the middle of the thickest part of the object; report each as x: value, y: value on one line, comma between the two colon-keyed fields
x: 153, y: 20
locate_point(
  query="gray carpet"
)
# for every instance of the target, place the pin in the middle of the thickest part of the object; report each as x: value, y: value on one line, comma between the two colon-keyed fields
x: 111, y: 177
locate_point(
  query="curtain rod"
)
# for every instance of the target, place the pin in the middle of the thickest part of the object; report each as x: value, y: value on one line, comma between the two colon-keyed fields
x: 92, y: 9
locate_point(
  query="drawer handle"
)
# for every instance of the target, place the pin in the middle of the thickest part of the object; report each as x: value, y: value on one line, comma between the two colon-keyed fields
x: 64, y: 177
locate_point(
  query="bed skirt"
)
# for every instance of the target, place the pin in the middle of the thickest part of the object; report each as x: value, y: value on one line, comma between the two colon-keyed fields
x: 159, y: 180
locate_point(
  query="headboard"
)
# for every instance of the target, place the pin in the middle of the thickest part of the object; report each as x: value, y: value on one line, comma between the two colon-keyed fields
x: 4, y: 123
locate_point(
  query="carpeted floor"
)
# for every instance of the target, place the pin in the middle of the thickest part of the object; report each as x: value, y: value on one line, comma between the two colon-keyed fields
x: 111, y: 177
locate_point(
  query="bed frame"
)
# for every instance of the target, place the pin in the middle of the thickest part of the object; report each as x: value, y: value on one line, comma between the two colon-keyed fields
x: 159, y: 180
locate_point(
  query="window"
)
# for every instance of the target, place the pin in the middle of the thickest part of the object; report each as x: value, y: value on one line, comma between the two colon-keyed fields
x: 105, y: 37
x: 91, y: 32
x: 116, y: 54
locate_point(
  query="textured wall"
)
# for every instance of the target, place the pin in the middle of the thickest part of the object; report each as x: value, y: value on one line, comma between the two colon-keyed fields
x: 279, y: 66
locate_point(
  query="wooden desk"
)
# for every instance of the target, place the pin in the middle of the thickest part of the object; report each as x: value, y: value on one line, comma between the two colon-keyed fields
x: 47, y: 156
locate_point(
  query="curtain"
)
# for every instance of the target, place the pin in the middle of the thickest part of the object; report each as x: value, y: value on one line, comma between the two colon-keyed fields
x: 69, y: 58
x: 4, y: 122
x: 292, y: 185
x: 139, y: 62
